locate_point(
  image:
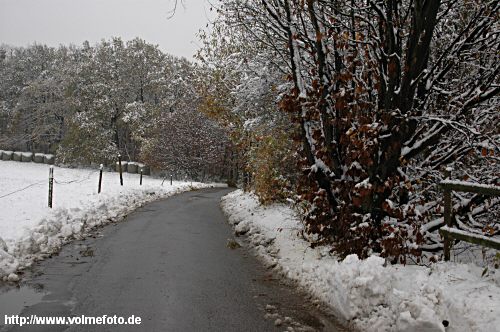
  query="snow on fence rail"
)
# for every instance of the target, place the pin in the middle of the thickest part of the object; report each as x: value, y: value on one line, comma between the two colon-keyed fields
x: 450, y: 233
x: 477, y: 188
x: 471, y: 237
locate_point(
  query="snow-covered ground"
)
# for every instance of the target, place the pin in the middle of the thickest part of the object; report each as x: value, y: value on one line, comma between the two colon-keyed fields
x: 29, y: 229
x: 369, y: 294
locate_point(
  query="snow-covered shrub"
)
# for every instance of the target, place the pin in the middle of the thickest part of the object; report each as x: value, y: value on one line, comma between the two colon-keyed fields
x: 272, y: 166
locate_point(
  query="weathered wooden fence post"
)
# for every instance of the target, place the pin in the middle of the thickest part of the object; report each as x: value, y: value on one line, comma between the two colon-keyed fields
x: 120, y: 168
x: 100, y: 178
x: 171, y: 179
x: 447, y: 222
x: 140, y: 182
x: 447, y: 215
x: 448, y: 232
x: 51, y: 185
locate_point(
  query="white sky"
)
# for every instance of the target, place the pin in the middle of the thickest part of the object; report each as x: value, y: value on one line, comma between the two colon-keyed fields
x: 55, y: 22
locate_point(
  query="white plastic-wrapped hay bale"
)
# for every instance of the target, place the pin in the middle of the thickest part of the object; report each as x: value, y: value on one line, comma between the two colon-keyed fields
x: 145, y: 169
x: 132, y: 167
x: 49, y: 159
x: 7, y: 155
x: 27, y: 157
x: 124, y: 166
x: 39, y: 158
x: 17, y: 156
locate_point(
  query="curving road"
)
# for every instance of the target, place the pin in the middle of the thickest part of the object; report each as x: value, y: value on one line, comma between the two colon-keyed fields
x: 169, y: 264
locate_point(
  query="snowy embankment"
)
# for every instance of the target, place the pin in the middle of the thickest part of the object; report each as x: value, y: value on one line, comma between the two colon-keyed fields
x: 369, y: 294
x: 29, y: 229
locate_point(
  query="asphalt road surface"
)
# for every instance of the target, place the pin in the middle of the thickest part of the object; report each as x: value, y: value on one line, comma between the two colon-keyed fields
x: 169, y: 264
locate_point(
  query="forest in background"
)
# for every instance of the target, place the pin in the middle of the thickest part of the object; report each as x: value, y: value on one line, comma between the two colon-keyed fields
x: 88, y: 104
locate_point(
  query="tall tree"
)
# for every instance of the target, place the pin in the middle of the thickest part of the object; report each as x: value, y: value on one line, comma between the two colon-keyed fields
x: 385, y: 93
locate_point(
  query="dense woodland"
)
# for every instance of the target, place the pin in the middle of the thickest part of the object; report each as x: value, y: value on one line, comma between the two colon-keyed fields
x: 88, y: 104
x: 353, y: 111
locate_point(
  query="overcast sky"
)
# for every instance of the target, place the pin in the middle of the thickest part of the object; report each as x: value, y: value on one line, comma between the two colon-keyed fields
x: 55, y: 22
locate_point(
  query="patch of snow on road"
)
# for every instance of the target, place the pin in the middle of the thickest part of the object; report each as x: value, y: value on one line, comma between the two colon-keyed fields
x: 29, y: 229
x: 369, y: 294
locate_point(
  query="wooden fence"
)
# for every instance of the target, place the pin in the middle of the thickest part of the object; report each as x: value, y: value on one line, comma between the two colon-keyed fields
x: 450, y: 233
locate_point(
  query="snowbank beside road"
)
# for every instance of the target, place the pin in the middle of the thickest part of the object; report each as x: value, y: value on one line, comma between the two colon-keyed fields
x: 366, y: 293
x: 28, y: 228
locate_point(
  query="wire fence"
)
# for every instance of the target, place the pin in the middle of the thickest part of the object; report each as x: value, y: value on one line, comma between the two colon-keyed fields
x: 74, y: 181
x: 79, y: 180
x: 22, y: 189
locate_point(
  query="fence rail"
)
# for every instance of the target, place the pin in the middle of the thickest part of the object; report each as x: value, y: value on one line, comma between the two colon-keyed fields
x: 450, y: 233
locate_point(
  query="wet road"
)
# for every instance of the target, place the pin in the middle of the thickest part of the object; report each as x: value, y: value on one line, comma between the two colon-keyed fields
x: 169, y: 264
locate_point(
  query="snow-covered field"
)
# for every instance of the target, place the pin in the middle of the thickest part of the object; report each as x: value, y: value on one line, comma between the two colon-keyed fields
x: 29, y: 229
x: 369, y: 294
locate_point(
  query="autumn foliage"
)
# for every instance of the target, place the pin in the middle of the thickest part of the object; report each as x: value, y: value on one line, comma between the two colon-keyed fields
x: 383, y: 96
